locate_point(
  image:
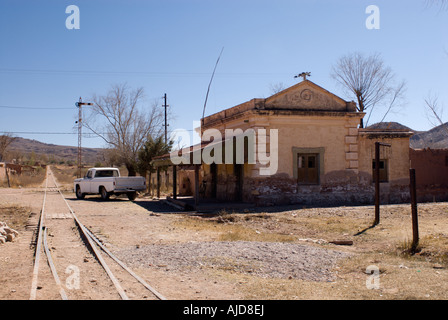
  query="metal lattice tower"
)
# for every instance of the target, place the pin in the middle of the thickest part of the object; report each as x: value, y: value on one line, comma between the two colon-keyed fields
x: 79, y: 105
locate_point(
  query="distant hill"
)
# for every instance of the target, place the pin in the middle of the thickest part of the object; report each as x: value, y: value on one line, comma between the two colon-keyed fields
x: 66, y: 153
x: 436, y: 138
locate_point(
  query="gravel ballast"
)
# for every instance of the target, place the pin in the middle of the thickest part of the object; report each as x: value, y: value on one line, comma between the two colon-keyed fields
x: 264, y: 259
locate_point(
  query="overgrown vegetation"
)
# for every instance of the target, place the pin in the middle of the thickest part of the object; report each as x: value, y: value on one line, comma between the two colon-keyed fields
x: 25, y: 180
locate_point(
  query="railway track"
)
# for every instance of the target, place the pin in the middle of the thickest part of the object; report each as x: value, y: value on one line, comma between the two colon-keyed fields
x: 69, y: 246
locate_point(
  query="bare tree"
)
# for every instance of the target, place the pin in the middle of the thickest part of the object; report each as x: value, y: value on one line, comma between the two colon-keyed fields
x: 276, y: 87
x: 119, y: 120
x: 443, y: 4
x: 436, y: 112
x: 5, y: 141
x: 370, y: 81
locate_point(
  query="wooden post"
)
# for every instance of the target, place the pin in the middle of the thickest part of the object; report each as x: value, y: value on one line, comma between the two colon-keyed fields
x: 377, y: 180
x: 158, y: 182
x: 174, y: 182
x: 196, y: 185
x: 413, y: 191
x: 377, y: 183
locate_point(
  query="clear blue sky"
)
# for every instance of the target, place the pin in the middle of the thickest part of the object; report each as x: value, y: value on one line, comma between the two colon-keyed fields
x: 171, y: 46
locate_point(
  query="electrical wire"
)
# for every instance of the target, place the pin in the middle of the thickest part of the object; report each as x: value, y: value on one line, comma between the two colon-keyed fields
x: 141, y: 73
x: 36, y: 108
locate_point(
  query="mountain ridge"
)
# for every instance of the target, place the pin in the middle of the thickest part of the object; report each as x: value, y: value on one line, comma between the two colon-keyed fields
x: 435, y: 138
x: 57, y: 152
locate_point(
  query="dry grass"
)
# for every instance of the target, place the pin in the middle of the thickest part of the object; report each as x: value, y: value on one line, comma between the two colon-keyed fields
x: 422, y: 275
x: 25, y: 180
x: 65, y: 175
x: 227, y: 228
x: 15, y: 216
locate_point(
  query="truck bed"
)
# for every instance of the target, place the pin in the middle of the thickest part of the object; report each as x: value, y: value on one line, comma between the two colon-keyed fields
x: 129, y: 183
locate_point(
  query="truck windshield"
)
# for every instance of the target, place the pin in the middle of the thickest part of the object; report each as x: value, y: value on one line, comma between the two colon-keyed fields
x: 106, y: 173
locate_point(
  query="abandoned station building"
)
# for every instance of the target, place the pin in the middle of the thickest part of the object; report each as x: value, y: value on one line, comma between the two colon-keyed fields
x: 323, y: 158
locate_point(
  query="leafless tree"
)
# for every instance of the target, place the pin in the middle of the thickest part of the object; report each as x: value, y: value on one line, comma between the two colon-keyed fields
x: 277, y: 87
x: 370, y: 81
x: 436, y: 112
x: 443, y: 4
x: 122, y: 120
x: 5, y: 141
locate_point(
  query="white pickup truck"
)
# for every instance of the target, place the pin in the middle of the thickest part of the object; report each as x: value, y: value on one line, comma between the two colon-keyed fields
x: 106, y: 182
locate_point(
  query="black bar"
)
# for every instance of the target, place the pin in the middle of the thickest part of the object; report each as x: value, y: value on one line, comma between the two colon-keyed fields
x: 377, y: 183
x: 413, y: 191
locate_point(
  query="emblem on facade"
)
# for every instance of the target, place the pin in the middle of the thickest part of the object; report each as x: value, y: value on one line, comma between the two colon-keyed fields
x: 306, y: 95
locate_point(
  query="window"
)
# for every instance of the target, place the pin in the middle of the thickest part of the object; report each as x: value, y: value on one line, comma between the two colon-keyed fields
x: 308, y: 168
x: 383, y: 171
x: 106, y: 173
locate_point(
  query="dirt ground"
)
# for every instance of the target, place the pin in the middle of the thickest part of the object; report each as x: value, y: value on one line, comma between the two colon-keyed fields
x: 191, y: 256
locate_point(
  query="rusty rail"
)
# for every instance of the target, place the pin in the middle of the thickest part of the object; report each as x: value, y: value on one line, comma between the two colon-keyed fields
x: 93, y: 241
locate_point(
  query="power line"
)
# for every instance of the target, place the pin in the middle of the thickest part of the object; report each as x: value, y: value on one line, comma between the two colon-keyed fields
x: 63, y: 133
x: 141, y: 73
x: 35, y: 108
x: 30, y: 132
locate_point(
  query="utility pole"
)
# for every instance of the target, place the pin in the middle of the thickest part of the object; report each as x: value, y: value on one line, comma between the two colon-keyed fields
x: 79, y: 104
x: 166, y: 125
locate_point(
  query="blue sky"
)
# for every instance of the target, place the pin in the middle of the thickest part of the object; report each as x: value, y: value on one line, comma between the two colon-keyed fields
x: 171, y: 47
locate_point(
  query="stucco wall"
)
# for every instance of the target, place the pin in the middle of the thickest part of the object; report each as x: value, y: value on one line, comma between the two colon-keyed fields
x: 309, y: 119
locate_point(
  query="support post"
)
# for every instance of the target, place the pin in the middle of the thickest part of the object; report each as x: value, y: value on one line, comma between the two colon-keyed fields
x: 174, y: 182
x: 377, y: 183
x: 158, y: 182
x: 413, y: 191
x: 377, y: 180
x: 196, y: 185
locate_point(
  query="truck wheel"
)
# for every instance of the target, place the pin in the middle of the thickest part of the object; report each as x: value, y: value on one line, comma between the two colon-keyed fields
x: 104, y: 194
x: 79, y: 194
x: 132, y: 195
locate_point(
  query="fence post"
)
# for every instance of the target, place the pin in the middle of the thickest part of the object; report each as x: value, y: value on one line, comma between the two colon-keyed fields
x: 413, y: 191
x: 377, y: 183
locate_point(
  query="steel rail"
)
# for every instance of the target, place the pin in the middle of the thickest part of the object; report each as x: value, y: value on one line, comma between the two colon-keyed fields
x: 111, y: 255
x: 33, y: 291
x: 121, y: 264
x: 97, y: 253
x: 53, y: 268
